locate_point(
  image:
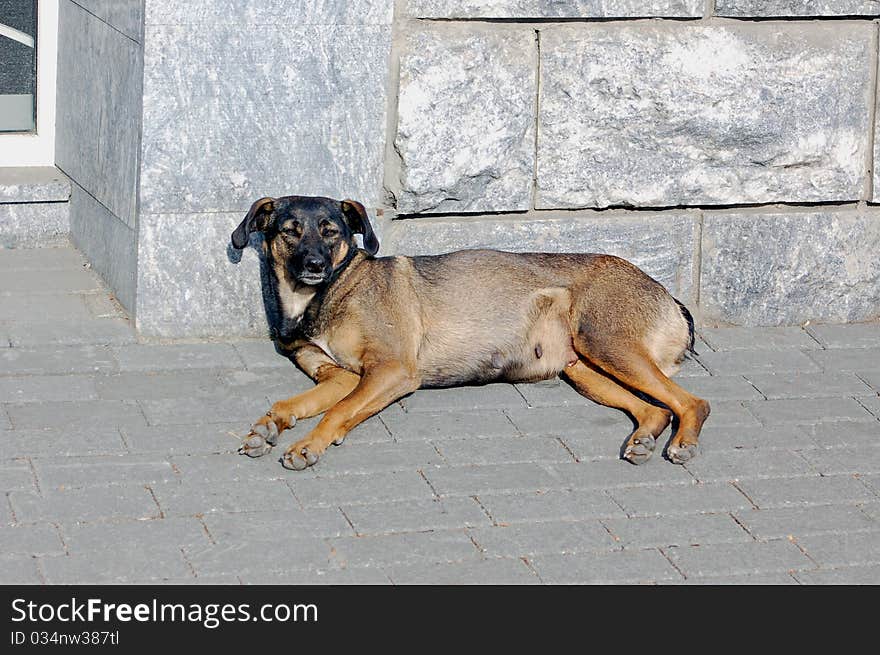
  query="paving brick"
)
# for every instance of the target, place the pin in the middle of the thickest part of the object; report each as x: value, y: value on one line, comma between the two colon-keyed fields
x: 849, y: 575
x: 747, y: 558
x: 42, y: 282
x: 833, y: 461
x: 842, y: 549
x: 152, y: 385
x: 871, y: 378
x: 871, y: 481
x: 405, y: 548
x: 268, y: 525
x: 585, y: 420
x: 808, y: 385
x: 550, y: 537
x: 191, y: 499
x: 416, y: 516
x: 758, y: 338
x: 41, y: 388
x: 806, y: 491
x: 748, y: 362
x: 871, y: 403
x: 617, y: 567
x: 24, y: 572
x: 806, y: 411
x: 276, y: 384
x: 854, y: 335
x: 654, y: 531
x: 195, y: 439
x: 223, y: 408
x: 102, y: 471
x: 763, y: 579
x: 610, y: 473
x: 691, y: 366
x: 502, y: 450
x: 679, y: 499
x: 155, y: 357
x: 871, y: 510
x: 85, y: 505
x: 497, y: 478
x: 16, y: 476
x: 778, y: 437
x: 97, y: 414
x: 33, y: 309
x: 63, y: 442
x: 23, y: 541
x: 115, y: 331
x: 553, y: 393
x: 262, y: 354
x: 485, y: 571
x: 102, y: 305
x: 252, y: 556
x: 357, y: 576
x: 848, y: 359
x: 601, y: 444
x: 40, y: 259
x: 844, y: 433
x: 722, y: 387
x: 107, y: 538
x: 786, y: 522
x: 356, y: 457
x: 491, y: 396
x: 446, y: 425
x: 6, y: 516
x: 549, y: 506
x: 125, y: 566
x: 345, y: 490
x: 5, y: 423
x: 56, y: 360
x: 733, y: 413
x: 722, y: 466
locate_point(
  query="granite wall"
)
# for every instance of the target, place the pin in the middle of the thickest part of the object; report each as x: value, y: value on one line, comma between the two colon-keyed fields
x: 725, y: 146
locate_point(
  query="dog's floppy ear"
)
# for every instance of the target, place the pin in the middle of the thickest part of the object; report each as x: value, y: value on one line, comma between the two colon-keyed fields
x: 257, y: 220
x: 356, y: 217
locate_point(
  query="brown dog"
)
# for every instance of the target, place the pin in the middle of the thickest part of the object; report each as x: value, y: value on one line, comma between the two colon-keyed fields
x: 370, y: 330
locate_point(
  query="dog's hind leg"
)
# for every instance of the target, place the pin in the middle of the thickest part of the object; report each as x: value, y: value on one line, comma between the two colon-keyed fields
x: 651, y: 420
x: 333, y: 384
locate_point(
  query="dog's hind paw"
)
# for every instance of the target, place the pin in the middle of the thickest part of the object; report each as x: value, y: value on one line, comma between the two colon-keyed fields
x: 681, y: 453
x: 640, y: 449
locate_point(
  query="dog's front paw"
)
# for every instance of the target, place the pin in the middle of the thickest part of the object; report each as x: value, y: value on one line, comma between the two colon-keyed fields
x: 262, y: 437
x: 639, y: 449
x: 303, y: 453
x: 683, y: 452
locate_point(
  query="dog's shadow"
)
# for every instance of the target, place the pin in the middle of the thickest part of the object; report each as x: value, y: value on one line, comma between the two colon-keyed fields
x: 271, y: 304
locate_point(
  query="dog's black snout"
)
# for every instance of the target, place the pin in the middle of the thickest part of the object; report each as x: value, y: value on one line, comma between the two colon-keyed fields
x: 314, y: 265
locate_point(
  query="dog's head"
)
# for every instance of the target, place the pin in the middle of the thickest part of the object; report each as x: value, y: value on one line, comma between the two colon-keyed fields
x: 308, y: 237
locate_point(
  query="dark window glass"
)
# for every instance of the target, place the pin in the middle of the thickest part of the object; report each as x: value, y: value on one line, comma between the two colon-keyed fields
x: 18, y: 65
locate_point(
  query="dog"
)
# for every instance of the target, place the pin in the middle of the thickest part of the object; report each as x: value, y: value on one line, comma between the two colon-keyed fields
x: 370, y: 330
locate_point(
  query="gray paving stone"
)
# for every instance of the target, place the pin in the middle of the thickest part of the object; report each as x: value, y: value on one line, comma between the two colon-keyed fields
x: 733, y: 413
x: 871, y: 378
x: 850, y: 575
x: 56, y: 360
x: 490, y: 396
x: 502, y: 450
x: 745, y: 464
x: 806, y: 491
x: 679, y: 499
x: 871, y: 403
x: 610, y: 473
x: 42, y: 388
x: 152, y: 386
x: 747, y: 362
x: 780, y: 437
x: 446, y: 424
x: 127, y: 566
x: 357, y: 576
x: 807, y: 411
x: 261, y: 355
x: 218, y: 408
x: 345, y: 490
x: 844, y: 433
x: 416, y: 516
x: 102, y: 471
x: 847, y: 359
x: 842, y: 549
x: 503, y: 571
x: 691, y: 366
x: 587, y: 420
x: 6, y: 516
x: 274, y: 383
x: 551, y: 505
x: 24, y: 572
x: 356, y: 457
x: 808, y: 385
x: 769, y: 578
x: 41, y: 282
x: 745, y: 558
x: 268, y: 525
x: 26, y: 308
x: 547, y: 538
x: 555, y: 393
x: 604, y: 443
x: 758, y: 338
x: 491, y: 478
x: 97, y: 414
x: 40, y: 259
x: 16, y: 476
x: 5, y: 423
x: 85, y: 505
x: 96, y: 331
x: 257, y: 556
x: 722, y: 387
x: 871, y: 481
x: 853, y: 335
x: 154, y: 357
x: 871, y: 510
x: 797, y: 522
x: 191, y: 499
x: 617, y: 567
x: 836, y: 461
x: 663, y: 531
x: 102, y: 305
x: 107, y: 538
x: 23, y: 541
x: 64, y: 442
x: 404, y: 548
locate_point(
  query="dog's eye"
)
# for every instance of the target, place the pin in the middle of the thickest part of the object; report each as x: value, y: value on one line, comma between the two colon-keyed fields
x: 329, y: 231
x: 292, y: 229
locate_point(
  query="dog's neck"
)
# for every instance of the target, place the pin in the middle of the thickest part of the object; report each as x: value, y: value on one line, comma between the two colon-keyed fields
x: 294, y: 299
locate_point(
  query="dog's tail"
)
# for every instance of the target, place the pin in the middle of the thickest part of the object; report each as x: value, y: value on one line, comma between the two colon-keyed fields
x: 690, y: 322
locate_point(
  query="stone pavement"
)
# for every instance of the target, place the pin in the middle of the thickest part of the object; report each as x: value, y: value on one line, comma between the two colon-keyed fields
x: 120, y: 465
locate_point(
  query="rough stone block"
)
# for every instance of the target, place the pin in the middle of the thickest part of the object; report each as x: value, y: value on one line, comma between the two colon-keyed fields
x: 671, y: 114
x: 33, y: 184
x: 303, y: 12
x: 465, y: 131
x: 29, y: 225
x: 788, y: 268
x: 662, y: 246
x: 786, y: 8
x: 127, y: 16
x: 553, y: 8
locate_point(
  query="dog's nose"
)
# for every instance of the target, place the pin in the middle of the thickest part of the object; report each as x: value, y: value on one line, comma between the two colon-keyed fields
x: 314, y: 265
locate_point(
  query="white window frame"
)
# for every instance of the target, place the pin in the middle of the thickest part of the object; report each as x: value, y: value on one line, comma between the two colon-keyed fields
x: 38, y: 148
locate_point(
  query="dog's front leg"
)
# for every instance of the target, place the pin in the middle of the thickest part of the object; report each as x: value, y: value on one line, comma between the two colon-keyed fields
x: 379, y: 387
